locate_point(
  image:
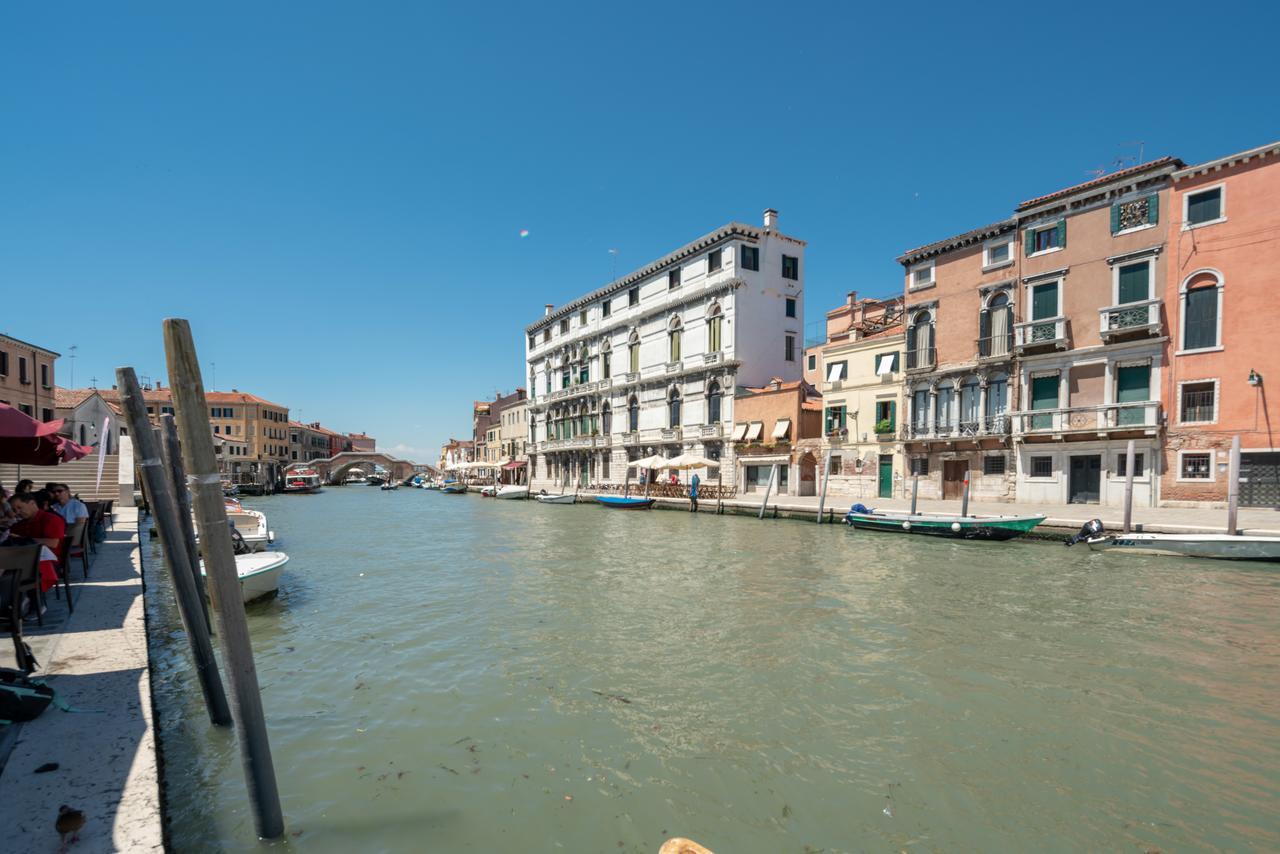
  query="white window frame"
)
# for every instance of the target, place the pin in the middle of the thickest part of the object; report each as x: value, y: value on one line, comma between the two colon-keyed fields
x: 1222, y: 205
x: 1054, y: 469
x: 987, y: 263
x: 1182, y: 313
x: 1213, y: 465
x: 911, y: 276
x: 1217, y: 399
x: 1149, y: 260
x: 1060, y: 280
x: 1036, y: 229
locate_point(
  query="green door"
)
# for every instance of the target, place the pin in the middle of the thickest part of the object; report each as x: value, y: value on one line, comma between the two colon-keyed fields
x: 1044, y: 305
x: 1044, y: 395
x: 886, y: 476
x: 1133, y: 385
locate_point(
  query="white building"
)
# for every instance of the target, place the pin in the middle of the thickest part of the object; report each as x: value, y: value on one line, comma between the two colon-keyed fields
x: 649, y: 363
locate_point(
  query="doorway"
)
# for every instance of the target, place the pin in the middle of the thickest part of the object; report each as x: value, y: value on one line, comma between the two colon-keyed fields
x: 808, y: 475
x: 886, y: 476
x: 1086, y: 479
x: 953, y: 474
x: 1260, y: 480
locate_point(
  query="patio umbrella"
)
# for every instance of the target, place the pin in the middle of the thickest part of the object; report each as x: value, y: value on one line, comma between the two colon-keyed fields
x: 26, y: 441
x: 690, y: 461
x: 655, y: 462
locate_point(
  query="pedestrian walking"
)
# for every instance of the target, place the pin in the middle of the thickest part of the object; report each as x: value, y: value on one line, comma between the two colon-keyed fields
x: 693, y: 494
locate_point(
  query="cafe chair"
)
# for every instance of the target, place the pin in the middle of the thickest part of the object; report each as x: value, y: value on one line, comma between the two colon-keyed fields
x: 64, y: 572
x: 19, y: 574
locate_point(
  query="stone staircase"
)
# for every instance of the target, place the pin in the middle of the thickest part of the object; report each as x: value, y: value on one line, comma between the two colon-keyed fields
x: 80, y: 475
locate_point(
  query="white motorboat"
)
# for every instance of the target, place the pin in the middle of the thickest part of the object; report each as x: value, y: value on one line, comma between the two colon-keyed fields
x: 488, y: 491
x: 1215, y: 546
x: 512, y: 490
x: 259, y: 574
x: 302, y: 480
x: 250, y: 524
x: 567, y: 498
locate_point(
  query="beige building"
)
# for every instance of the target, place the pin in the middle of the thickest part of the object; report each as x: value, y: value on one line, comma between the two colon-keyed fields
x: 26, y: 378
x: 307, y: 442
x: 513, y: 434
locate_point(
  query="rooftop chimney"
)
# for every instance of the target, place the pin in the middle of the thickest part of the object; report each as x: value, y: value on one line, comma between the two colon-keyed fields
x: 770, y: 219
x: 547, y: 312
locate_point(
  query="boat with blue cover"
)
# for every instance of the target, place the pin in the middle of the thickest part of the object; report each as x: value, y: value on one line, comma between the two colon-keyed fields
x: 941, y: 524
x: 622, y: 502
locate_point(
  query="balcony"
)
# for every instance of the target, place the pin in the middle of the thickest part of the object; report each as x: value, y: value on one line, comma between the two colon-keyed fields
x: 674, y: 367
x: 1100, y: 419
x: 1135, y: 317
x: 629, y: 439
x: 996, y: 348
x: 1032, y: 334
x: 838, y: 436
x: 990, y: 426
x: 631, y: 377
x: 922, y: 358
x: 715, y: 358
x: 672, y: 434
x: 711, y: 431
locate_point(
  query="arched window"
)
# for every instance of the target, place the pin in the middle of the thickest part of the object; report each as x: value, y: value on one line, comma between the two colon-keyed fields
x: 673, y: 408
x: 715, y: 323
x: 713, y: 403
x: 633, y: 414
x: 996, y: 327
x: 920, y: 341
x: 606, y: 419
x: 1202, y: 310
x: 673, y: 340
x: 633, y: 351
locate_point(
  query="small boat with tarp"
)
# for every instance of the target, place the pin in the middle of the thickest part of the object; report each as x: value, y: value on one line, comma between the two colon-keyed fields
x: 453, y: 487
x: 955, y: 527
x: 622, y: 502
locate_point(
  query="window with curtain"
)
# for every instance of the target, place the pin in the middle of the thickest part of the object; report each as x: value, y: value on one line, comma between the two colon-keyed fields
x: 1200, y: 324
x: 997, y: 327
x: 946, y: 396
x: 634, y: 353
x: 920, y: 409
x: 970, y: 397
x: 997, y: 397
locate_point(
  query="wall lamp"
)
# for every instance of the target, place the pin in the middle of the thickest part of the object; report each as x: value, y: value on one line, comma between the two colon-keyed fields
x: 1255, y: 378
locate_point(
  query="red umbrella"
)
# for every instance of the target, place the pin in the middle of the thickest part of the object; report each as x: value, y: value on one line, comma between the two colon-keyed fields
x: 26, y: 441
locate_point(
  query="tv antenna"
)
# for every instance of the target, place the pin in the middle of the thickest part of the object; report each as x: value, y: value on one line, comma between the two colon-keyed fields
x: 613, y: 270
x: 73, y: 349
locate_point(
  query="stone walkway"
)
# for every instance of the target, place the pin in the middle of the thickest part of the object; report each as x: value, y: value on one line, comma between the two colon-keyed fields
x: 96, y: 659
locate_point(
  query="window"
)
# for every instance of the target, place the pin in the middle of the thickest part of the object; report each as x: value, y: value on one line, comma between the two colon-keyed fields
x: 886, y: 416
x: 633, y: 351
x: 564, y: 326
x: 217, y: 429
x: 1042, y: 466
x: 836, y: 417
x: 25, y: 409
x: 922, y: 275
x: 1122, y: 461
x: 533, y: 341
x: 1195, y: 466
x: 673, y: 346
x: 546, y: 335
x: 673, y: 278
x: 920, y: 341
x: 714, y: 260
x: 673, y: 409
x: 582, y: 317
x: 46, y: 415
x: 22, y: 370
x: 1133, y: 283
x: 749, y: 257
x: 1046, y: 238
x: 633, y: 414
x: 1044, y: 395
x: 813, y: 362
x: 44, y: 376
x: 4, y: 364
x: 1197, y: 404
x: 886, y: 363
x: 606, y: 308
x: 837, y: 371
x: 606, y: 419
x: 564, y: 378
x: 1135, y: 213
x: 633, y: 297
x: 920, y: 466
x: 789, y: 348
x: 714, y: 334
x: 713, y: 403
x: 790, y: 268
x: 547, y: 377
x: 1203, y: 207
x: 606, y: 363
x: 1201, y: 311
x: 997, y: 254
x: 993, y: 465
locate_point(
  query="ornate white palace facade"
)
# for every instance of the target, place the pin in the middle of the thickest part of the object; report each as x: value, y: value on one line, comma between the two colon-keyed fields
x: 649, y: 363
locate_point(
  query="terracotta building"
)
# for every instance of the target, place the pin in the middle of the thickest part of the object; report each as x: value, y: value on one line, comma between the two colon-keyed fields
x: 778, y: 423
x: 26, y: 378
x: 1220, y: 299
x: 362, y: 442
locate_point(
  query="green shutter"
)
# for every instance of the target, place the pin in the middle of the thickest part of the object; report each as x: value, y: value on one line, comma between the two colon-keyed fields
x: 1133, y: 385
x: 1153, y: 209
x: 1115, y: 218
x: 1044, y: 395
x: 893, y: 415
x: 1044, y: 301
x: 1201, y: 318
x: 1062, y: 233
x: 1135, y: 283
x: 1030, y: 240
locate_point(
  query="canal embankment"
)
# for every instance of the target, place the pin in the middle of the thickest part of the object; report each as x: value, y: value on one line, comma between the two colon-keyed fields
x: 99, y: 757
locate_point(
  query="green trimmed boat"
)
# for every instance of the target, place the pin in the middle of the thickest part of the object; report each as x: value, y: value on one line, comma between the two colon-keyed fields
x: 942, y: 524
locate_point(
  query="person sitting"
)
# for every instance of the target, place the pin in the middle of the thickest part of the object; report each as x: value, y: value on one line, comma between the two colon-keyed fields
x: 70, y: 508
x: 24, y: 485
x: 38, y: 526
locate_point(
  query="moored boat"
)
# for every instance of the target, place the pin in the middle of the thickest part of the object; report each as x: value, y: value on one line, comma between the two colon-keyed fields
x: 259, y: 573
x: 622, y: 502
x: 453, y: 487
x: 567, y: 498
x: 1213, y: 546
x: 512, y: 491
x: 942, y: 524
x: 250, y: 524
x: 302, y: 481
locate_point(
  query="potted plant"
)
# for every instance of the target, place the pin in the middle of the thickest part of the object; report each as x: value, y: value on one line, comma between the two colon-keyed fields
x: 883, y: 426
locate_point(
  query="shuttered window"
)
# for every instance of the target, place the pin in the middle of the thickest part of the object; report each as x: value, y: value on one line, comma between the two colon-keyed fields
x: 1204, y: 207
x: 1201, y: 319
x: 1133, y: 385
x: 1135, y: 282
x: 1044, y: 301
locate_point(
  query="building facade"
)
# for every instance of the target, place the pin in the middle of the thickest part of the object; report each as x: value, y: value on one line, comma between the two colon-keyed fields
x: 779, y: 424
x: 455, y: 452
x: 1223, y: 234
x: 84, y: 412
x: 27, y: 380
x: 649, y: 363
x: 307, y: 442
x: 362, y: 442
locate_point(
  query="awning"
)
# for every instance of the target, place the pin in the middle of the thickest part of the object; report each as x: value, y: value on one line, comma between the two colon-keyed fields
x: 782, y: 428
x: 754, y: 431
x: 835, y: 372
x: 515, y: 464
x: 739, y: 430
x: 886, y: 364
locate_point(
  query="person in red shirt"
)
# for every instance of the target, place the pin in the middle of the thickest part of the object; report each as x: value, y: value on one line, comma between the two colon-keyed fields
x: 41, y: 526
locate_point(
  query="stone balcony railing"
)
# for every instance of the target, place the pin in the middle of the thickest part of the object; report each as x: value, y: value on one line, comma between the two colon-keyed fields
x: 1134, y: 317
x: 992, y: 425
x: 1048, y: 332
x: 1102, y: 418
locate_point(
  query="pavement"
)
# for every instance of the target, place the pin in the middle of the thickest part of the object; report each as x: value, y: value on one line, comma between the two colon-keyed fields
x: 96, y: 659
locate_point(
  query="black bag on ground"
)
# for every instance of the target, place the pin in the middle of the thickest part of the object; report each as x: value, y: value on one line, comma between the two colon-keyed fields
x: 20, y: 698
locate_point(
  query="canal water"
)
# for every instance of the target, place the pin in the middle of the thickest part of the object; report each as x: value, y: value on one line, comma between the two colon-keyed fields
x: 449, y: 673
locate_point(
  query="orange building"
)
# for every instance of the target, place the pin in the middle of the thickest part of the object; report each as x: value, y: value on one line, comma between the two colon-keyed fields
x: 779, y: 423
x: 1220, y: 297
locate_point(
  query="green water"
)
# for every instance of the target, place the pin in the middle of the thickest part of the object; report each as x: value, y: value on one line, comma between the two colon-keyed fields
x: 449, y: 673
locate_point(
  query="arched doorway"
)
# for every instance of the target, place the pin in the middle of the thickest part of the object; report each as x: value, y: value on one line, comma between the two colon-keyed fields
x: 808, y: 475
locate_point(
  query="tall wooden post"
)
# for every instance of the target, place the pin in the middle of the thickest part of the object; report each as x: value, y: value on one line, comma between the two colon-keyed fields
x: 773, y: 473
x: 826, y: 476
x: 720, y: 488
x: 1233, y: 486
x: 178, y: 477
x: 964, y: 497
x: 1128, y: 486
x: 220, y: 563
x: 165, y: 507
x: 915, y: 492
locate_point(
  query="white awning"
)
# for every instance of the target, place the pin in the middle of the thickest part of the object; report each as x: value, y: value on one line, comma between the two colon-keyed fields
x: 739, y: 430
x: 835, y: 372
x: 754, y: 431
x: 886, y: 365
x: 781, y: 428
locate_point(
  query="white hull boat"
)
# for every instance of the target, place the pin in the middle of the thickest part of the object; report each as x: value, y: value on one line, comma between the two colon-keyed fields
x: 557, y: 499
x: 251, y: 525
x: 1217, y: 546
x: 512, y: 490
x: 259, y: 574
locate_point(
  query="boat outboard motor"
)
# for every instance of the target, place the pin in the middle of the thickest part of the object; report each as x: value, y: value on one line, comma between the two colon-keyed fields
x: 1092, y: 528
x: 238, y: 545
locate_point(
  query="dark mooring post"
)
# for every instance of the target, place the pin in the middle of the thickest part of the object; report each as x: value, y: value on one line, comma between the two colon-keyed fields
x: 178, y: 477
x: 915, y: 492
x: 165, y: 508
x: 1128, y: 486
x: 220, y: 564
x: 964, y: 497
x: 1233, y: 486
x: 826, y: 476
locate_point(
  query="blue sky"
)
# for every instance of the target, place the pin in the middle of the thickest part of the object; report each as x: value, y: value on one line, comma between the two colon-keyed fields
x: 333, y: 192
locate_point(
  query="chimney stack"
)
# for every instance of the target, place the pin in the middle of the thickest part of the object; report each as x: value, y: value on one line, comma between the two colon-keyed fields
x: 547, y: 311
x: 770, y: 219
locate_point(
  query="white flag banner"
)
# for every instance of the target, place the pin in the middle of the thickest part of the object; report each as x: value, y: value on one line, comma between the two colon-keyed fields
x: 102, y: 455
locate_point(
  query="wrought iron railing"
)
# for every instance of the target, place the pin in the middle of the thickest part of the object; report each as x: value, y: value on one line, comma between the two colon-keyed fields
x: 921, y: 358
x: 996, y: 346
x: 1036, y: 333
x: 1130, y: 317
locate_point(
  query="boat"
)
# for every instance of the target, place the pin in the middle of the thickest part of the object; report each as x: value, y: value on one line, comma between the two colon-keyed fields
x: 453, y: 487
x: 512, y: 491
x: 567, y: 498
x: 621, y: 502
x: 356, y: 476
x: 259, y: 573
x: 302, y: 481
x: 375, y: 479
x: 250, y: 524
x: 955, y: 527
x: 1214, y: 546
x: 389, y: 485
x: 488, y: 491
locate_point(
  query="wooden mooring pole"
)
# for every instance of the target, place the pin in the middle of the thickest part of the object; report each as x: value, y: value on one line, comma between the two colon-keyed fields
x: 220, y: 564
x: 1128, y: 486
x: 773, y: 473
x: 1233, y: 486
x: 915, y: 492
x: 165, y: 507
x: 826, y: 476
x: 178, y: 477
x: 964, y: 497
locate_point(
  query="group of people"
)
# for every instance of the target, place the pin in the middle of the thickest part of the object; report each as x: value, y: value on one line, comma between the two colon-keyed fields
x: 30, y: 516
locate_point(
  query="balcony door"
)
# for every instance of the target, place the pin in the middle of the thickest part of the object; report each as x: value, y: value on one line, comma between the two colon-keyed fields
x: 1133, y: 385
x: 1044, y: 306
x: 1044, y: 395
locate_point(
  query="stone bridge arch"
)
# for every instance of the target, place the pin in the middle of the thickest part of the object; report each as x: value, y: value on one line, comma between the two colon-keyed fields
x: 333, y: 469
